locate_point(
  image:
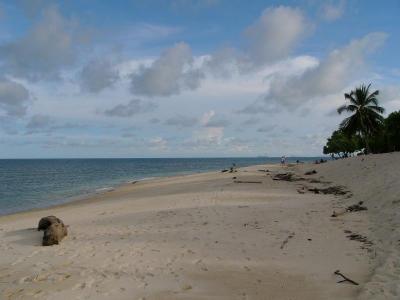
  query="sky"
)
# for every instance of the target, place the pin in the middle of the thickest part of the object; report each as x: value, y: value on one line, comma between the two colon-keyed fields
x: 188, y: 78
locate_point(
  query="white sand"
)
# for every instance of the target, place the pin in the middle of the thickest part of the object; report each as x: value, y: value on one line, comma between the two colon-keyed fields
x: 205, y: 237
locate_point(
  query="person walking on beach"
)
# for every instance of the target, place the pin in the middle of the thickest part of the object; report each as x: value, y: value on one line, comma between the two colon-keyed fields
x: 283, y: 160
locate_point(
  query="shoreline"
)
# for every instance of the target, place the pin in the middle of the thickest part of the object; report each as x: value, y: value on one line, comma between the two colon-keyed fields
x: 214, y: 235
x: 82, y: 193
x: 94, y: 197
x: 101, y: 191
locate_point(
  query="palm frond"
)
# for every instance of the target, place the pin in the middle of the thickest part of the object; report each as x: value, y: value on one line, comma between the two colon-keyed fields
x: 342, y: 109
x: 376, y: 108
x: 350, y: 97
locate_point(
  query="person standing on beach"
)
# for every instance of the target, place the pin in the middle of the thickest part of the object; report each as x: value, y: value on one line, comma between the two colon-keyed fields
x: 283, y: 160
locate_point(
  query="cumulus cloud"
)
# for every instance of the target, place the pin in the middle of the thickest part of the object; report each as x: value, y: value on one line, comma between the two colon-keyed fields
x: 275, y: 34
x: 223, y: 63
x: 168, y: 75
x: 261, y: 106
x: 250, y: 121
x: 158, y: 144
x: 266, y: 129
x: 14, y: 98
x: 206, y: 137
x: 181, y: 121
x: 47, y: 47
x: 98, y: 75
x: 135, y: 106
x: 333, y: 11
x: 209, y: 120
x: 39, y: 123
x: 330, y: 76
x: 270, y: 39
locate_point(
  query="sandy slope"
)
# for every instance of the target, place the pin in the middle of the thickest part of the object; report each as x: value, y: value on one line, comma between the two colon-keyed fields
x: 375, y: 179
x: 205, y: 237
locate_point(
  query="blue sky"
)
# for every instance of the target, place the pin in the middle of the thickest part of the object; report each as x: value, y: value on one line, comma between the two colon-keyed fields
x: 187, y: 77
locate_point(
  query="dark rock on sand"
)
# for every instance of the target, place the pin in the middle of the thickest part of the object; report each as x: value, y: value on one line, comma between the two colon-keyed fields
x: 46, y: 222
x: 54, y: 234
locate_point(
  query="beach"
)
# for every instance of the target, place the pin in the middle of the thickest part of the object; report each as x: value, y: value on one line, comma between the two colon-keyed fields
x: 218, y: 235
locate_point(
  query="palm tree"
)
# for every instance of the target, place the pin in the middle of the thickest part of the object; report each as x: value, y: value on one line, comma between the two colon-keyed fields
x: 367, y: 114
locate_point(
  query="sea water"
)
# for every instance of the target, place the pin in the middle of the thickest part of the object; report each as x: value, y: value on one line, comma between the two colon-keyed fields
x: 36, y: 183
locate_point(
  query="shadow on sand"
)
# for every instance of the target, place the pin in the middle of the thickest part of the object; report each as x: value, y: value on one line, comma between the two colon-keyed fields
x: 26, y: 237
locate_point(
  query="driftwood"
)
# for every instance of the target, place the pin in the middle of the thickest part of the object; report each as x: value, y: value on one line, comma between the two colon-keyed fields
x: 287, y: 240
x: 310, y: 172
x: 241, y: 181
x: 225, y: 170
x: 345, y: 278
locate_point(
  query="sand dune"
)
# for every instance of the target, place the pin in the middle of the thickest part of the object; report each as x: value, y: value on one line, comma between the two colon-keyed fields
x: 204, y: 236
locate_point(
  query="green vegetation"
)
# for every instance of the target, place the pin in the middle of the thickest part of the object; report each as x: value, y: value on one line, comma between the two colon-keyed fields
x: 366, y: 130
x: 342, y: 145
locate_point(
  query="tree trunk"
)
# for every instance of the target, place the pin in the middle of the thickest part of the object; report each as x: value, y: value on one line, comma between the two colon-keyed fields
x: 367, y: 147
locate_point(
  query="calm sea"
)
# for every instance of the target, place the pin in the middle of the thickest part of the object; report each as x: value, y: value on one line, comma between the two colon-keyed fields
x: 37, y: 183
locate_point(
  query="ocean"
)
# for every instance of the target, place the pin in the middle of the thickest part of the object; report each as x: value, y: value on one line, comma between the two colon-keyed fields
x: 37, y: 183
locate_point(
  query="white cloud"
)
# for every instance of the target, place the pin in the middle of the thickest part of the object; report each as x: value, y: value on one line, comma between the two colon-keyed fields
x: 39, y: 121
x: 206, y: 117
x: 98, y: 75
x: 181, y: 121
x: 206, y: 137
x: 332, y: 74
x: 275, y: 34
x: 135, y: 106
x: 168, y: 75
x: 209, y: 120
x: 14, y: 98
x: 47, y: 47
x: 266, y: 129
x: 158, y: 144
x: 333, y: 11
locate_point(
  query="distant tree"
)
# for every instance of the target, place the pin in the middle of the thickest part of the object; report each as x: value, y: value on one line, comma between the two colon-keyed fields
x: 341, y: 144
x: 392, y: 129
x: 366, y: 118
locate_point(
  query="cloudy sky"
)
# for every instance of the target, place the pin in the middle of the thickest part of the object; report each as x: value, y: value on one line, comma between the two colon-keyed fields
x: 146, y: 78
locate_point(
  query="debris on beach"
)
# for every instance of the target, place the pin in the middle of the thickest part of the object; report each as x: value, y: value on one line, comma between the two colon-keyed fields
x: 366, y: 243
x: 233, y: 169
x: 242, y: 181
x: 351, y: 208
x: 357, y: 207
x: 54, y: 230
x: 284, y: 177
x: 301, y: 190
x: 310, y: 172
x: 335, y: 190
x: 291, y: 235
x: 345, y: 278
